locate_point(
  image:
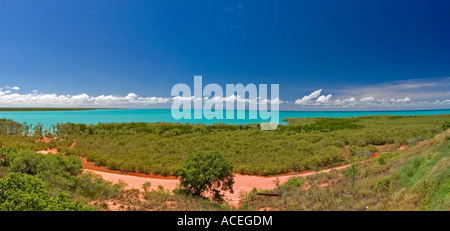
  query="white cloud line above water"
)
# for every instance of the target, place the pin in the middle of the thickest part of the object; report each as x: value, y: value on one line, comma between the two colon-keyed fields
x: 316, y: 101
x: 82, y: 100
x: 405, y: 94
x: 355, y: 98
x: 415, y: 89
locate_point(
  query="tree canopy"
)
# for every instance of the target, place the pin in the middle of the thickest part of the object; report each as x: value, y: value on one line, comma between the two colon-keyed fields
x: 207, y: 171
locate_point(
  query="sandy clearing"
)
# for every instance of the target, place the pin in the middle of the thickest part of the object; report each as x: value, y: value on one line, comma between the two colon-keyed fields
x: 48, y: 150
x: 243, y: 183
x: 136, y: 182
x: 91, y: 166
x: 402, y: 147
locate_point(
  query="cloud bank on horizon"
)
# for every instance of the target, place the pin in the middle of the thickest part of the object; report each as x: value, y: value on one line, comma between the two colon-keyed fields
x: 398, y: 95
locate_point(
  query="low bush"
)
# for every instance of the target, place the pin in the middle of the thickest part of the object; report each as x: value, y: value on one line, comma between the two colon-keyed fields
x: 294, y: 182
x: 383, y: 184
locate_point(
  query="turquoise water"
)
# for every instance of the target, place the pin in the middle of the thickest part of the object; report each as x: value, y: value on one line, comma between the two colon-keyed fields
x: 164, y: 115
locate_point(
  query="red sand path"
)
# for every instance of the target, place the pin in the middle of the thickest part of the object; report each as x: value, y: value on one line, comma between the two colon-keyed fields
x: 136, y: 182
x: 243, y: 183
x: 48, y: 150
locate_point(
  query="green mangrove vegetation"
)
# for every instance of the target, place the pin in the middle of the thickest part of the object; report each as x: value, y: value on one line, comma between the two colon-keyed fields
x: 34, y: 182
x: 416, y: 179
x: 159, y: 148
x: 303, y: 144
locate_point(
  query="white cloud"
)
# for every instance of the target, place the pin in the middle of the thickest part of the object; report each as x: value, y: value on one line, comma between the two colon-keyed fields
x: 183, y: 98
x: 81, y: 100
x: 355, y: 99
x: 415, y: 89
x: 307, y: 98
x: 372, y: 102
x: 346, y: 102
x: 367, y: 99
x: 131, y: 96
x: 429, y: 93
x: 406, y: 99
x: 363, y: 103
x: 323, y: 99
x: 12, y: 88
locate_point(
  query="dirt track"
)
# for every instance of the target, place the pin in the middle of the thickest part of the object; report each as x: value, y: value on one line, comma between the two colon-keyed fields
x: 243, y: 183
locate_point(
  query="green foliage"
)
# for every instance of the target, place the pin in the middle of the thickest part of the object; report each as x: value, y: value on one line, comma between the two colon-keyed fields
x: 396, y: 117
x: 146, y: 186
x: 57, y: 171
x: 39, y: 130
x: 5, y: 154
x: 206, y: 172
x: 10, y: 127
x: 304, y: 143
x: 415, y: 179
x: 324, y: 125
x: 383, y: 184
x: 352, y: 172
x: 57, y: 175
x: 361, y: 152
x: 446, y: 125
x: 294, y: 182
x: 382, y: 159
x: 94, y: 187
x: 426, y: 177
x: 23, y: 192
x: 371, y: 148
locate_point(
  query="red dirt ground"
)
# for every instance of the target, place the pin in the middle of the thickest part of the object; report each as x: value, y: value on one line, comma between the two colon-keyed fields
x: 48, y: 150
x: 243, y: 183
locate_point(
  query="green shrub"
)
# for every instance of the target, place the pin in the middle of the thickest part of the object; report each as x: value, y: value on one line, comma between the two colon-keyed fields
x: 372, y: 148
x: 23, y: 192
x: 382, y: 159
x: 352, y: 172
x: 58, y: 173
x: 383, y: 184
x: 94, y: 187
x: 146, y: 186
x: 206, y: 172
x: 446, y: 125
x: 294, y: 182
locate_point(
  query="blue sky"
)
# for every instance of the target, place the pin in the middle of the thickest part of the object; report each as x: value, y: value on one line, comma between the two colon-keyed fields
x: 378, y: 51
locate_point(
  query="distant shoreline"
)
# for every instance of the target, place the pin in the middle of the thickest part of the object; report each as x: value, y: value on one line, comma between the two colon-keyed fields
x: 90, y: 109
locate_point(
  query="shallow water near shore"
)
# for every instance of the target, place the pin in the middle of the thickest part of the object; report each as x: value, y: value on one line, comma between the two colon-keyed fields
x: 164, y: 115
